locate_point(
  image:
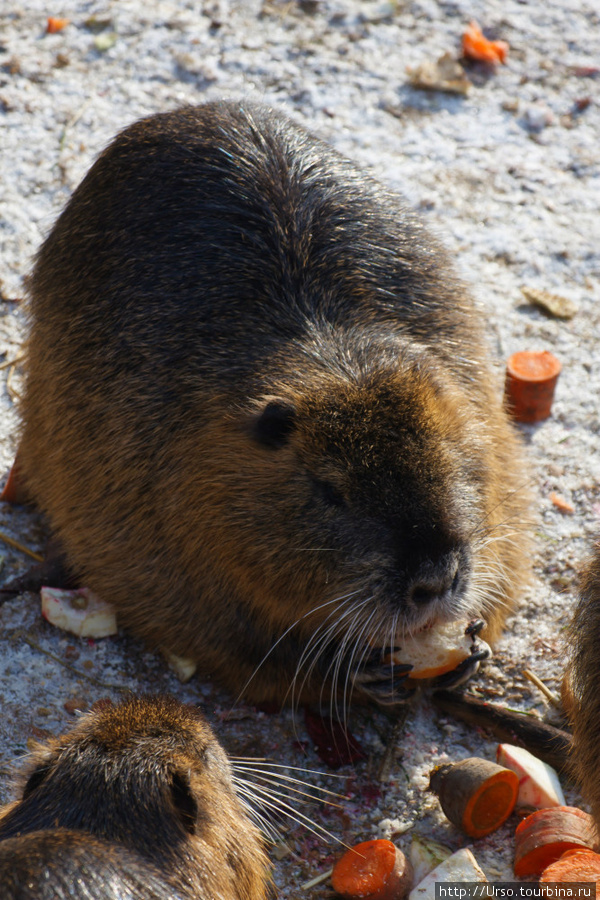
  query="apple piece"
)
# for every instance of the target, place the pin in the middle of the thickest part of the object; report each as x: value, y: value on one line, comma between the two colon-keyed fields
x: 539, y: 786
x: 81, y: 612
x: 437, y: 650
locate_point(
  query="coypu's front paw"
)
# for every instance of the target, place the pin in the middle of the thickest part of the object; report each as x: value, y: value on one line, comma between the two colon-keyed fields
x: 465, y: 670
x: 383, y: 683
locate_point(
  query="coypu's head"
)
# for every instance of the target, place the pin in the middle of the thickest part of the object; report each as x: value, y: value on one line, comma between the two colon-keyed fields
x: 356, y: 501
x: 148, y: 774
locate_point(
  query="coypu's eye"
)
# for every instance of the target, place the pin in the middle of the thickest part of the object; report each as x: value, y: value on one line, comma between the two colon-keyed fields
x: 275, y: 423
x: 184, y: 802
x: 329, y: 493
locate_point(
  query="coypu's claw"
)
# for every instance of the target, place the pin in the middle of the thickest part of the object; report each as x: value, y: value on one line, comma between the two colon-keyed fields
x: 475, y: 627
x: 382, y: 683
x: 465, y: 670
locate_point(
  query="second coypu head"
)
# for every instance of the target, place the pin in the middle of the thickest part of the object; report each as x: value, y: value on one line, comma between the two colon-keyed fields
x: 148, y: 774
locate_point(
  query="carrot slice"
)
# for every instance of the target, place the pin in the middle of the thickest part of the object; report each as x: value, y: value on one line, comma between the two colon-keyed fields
x: 373, y: 870
x: 530, y: 383
x: 54, y: 24
x: 475, y: 794
x: 476, y: 46
x: 545, y: 835
x: 574, y: 865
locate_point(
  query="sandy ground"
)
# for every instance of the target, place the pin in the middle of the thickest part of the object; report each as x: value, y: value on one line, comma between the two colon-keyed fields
x: 508, y: 176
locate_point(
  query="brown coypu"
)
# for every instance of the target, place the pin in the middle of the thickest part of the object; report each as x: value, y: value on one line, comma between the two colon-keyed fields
x: 149, y: 792
x: 582, y: 686
x: 259, y: 411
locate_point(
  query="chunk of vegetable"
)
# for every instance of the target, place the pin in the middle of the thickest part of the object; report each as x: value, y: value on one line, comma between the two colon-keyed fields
x: 477, y: 795
x: 545, y: 835
x: 539, y: 786
x: 373, y: 870
x: 79, y: 612
x: 574, y: 865
x: 461, y: 866
x: 425, y: 855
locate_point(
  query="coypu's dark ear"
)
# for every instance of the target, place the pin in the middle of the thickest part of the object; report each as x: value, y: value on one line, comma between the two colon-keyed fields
x: 184, y: 802
x: 37, y: 777
x: 274, y: 423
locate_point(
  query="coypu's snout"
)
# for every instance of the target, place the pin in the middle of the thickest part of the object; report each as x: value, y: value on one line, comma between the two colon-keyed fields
x: 441, y: 580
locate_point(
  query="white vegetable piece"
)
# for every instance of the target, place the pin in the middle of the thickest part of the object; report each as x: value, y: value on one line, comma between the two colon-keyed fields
x: 79, y: 612
x: 183, y: 667
x: 425, y: 855
x: 539, y: 786
x: 461, y: 866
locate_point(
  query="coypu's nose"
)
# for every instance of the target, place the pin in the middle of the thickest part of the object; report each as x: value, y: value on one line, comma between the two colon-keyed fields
x: 439, y: 579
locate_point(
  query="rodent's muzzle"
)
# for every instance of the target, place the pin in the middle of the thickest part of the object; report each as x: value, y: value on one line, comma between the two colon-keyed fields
x: 439, y: 580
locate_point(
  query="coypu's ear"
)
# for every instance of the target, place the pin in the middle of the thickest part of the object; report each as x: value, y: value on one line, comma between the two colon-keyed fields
x: 37, y: 777
x: 273, y: 425
x: 184, y: 802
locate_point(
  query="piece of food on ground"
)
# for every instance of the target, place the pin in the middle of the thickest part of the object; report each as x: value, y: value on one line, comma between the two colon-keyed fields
x: 476, y: 46
x: 573, y: 866
x: 476, y: 795
x: 438, y: 650
x: 539, y: 786
x: 81, y: 612
x: 461, y: 866
x: 546, y: 834
x: 373, y: 870
x: 425, y: 855
x: 183, y: 667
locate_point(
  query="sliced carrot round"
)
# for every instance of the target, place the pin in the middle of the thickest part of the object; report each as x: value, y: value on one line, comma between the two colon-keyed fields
x: 545, y: 835
x: 373, y: 870
x: 491, y: 805
x: 477, y: 795
x: 528, y: 365
x: 530, y: 383
x: 573, y: 866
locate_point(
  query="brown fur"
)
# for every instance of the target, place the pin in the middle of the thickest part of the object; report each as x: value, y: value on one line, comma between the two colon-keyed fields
x: 65, y: 865
x: 584, y: 687
x: 259, y: 403
x: 148, y: 778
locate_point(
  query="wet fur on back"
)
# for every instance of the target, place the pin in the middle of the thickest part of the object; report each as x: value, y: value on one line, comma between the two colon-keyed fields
x: 260, y: 414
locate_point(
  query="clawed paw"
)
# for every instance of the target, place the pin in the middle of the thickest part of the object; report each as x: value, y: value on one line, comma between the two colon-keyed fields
x: 465, y: 670
x: 383, y: 682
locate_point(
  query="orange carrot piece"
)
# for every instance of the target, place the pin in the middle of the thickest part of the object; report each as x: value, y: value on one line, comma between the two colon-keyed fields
x: 545, y: 835
x: 54, y: 24
x: 476, y: 46
x: 561, y: 504
x: 373, y: 870
x: 476, y: 795
x: 530, y: 383
x: 574, y: 865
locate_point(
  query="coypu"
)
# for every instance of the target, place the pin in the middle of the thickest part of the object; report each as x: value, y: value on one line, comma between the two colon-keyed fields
x: 138, y: 792
x: 582, y: 686
x: 259, y: 410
